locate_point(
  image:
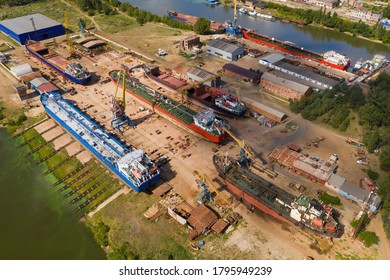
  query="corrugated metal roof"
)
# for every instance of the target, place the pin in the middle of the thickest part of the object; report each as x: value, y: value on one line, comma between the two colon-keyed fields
x: 222, y: 45
x: 306, y: 73
x: 336, y: 181
x: 23, y: 24
x: 285, y: 82
x: 202, y: 218
x: 94, y: 44
x: 22, y: 69
x: 263, y: 107
x: 199, y: 72
x: 49, y: 87
x: 241, y: 71
x: 296, y: 79
x: 39, y: 81
x: 273, y: 58
x: 84, y: 40
x: 355, y: 191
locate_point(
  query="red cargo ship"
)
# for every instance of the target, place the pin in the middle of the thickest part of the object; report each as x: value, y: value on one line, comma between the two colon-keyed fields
x: 330, y: 58
x: 205, y: 123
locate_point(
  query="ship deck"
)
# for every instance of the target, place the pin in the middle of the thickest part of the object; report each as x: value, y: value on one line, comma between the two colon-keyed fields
x: 170, y: 106
x: 92, y: 134
x: 51, y: 56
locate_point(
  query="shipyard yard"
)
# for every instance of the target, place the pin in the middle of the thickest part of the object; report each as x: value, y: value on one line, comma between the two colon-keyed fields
x: 255, y: 235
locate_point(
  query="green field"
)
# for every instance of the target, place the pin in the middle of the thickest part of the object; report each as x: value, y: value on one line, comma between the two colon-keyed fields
x: 115, y: 23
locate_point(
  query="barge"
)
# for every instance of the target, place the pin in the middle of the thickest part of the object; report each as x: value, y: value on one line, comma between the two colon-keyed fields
x: 204, y: 123
x: 73, y: 71
x: 302, y: 211
x: 215, y: 27
x: 330, y: 58
x: 132, y: 166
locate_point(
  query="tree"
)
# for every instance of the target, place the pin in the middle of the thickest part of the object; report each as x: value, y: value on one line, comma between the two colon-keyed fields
x: 369, y: 238
x: 202, y: 26
x: 372, y: 174
x: 384, y: 159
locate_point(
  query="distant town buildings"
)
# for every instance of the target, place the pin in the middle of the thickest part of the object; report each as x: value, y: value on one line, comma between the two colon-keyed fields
x: 225, y: 50
x: 365, y: 14
x: 327, y: 4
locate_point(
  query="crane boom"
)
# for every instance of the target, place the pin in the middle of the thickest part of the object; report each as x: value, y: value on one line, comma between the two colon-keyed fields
x: 207, y: 181
x: 66, y: 25
x: 241, y: 143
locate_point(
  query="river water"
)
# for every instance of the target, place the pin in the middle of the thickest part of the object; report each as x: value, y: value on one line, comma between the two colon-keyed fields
x: 34, y: 224
x: 310, y: 37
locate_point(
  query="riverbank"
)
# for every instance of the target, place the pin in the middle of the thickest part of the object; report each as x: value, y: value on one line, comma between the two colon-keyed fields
x: 37, y: 225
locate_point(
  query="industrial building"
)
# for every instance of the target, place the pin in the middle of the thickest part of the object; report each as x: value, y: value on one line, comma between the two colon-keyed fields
x: 318, y: 81
x: 350, y: 191
x: 314, y: 169
x: 21, y: 70
x: 224, y: 49
x: 189, y: 42
x: 321, y: 171
x: 41, y: 85
x: 31, y: 27
x: 265, y: 110
x: 202, y: 76
x: 241, y: 73
x: 284, y: 87
x: 201, y: 218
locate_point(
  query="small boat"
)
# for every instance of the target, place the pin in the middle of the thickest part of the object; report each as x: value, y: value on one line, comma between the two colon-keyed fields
x: 243, y: 11
x: 252, y: 13
x: 212, y: 2
x: 358, y: 65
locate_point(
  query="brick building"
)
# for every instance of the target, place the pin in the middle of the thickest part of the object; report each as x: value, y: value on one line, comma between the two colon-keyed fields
x: 284, y: 87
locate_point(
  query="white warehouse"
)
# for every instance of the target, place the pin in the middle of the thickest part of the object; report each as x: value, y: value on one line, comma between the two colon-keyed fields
x: 225, y: 50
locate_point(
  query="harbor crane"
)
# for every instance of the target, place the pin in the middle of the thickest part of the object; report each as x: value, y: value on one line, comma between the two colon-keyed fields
x: 119, y: 117
x: 233, y: 30
x: 72, y: 52
x: 203, y: 178
x: 246, y: 152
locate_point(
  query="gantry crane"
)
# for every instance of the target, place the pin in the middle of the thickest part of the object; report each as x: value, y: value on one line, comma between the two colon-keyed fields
x: 118, y: 106
x: 233, y: 30
x: 207, y: 181
x: 68, y: 39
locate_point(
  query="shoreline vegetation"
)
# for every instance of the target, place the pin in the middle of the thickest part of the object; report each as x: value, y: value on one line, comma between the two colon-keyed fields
x: 319, y: 18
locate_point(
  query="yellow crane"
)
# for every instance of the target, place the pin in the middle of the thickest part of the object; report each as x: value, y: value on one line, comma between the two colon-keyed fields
x: 241, y: 143
x: 118, y: 106
x: 208, y: 182
x: 68, y: 39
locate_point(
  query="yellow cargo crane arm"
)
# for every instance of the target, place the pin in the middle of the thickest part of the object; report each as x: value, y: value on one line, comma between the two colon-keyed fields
x: 66, y: 25
x: 241, y: 143
x: 205, y: 180
x: 121, y: 74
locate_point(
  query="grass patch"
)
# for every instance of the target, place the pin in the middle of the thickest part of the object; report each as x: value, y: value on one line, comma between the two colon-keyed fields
x: 132, y: 236
x: 329, y: 199
x: 115, y: 23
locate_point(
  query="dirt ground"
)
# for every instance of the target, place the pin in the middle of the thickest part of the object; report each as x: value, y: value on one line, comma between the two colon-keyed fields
x: 262, y: 237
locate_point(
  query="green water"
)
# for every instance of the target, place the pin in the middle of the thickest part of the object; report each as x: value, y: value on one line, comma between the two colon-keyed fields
x: 34, y: 223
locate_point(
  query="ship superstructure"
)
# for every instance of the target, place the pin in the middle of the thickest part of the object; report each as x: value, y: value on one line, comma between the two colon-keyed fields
x: 133, y: 166
x: 231, y: 104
